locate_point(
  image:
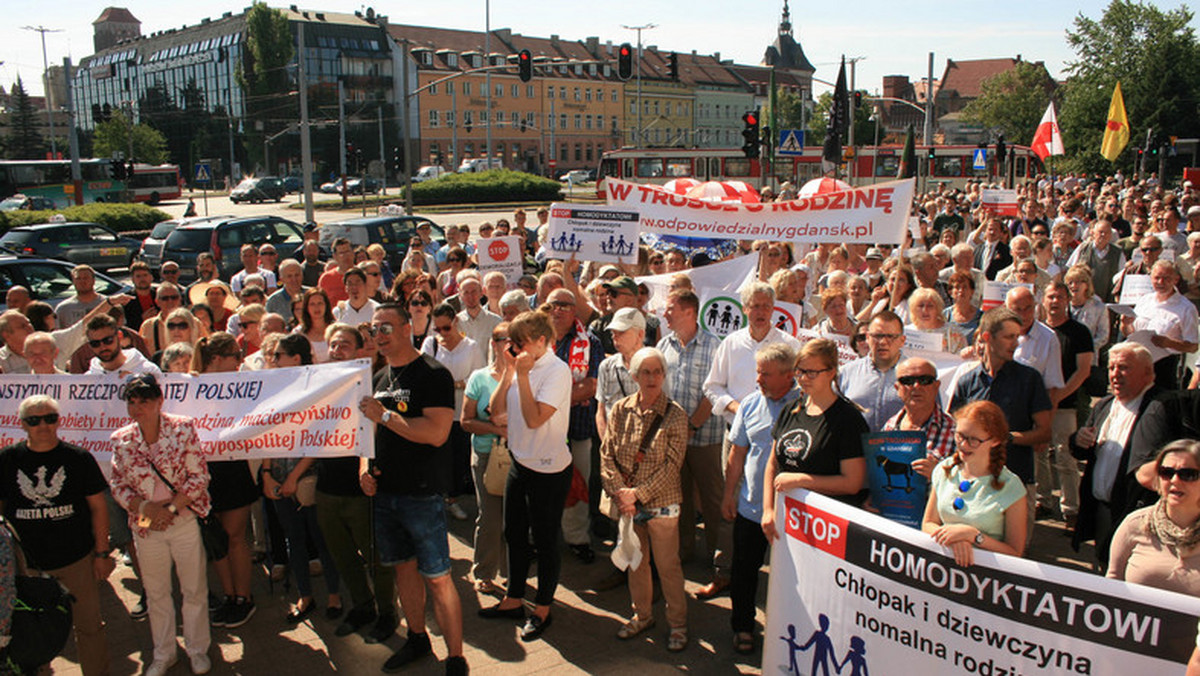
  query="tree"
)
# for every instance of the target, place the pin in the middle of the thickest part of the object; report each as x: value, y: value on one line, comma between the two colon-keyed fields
x: 864, y: 128
x: 789, y: 112
x: 1156, y: 58
x: 264, y: 73
x: 1012, y: 102
x: 24, y: 141
x: 112, y: 137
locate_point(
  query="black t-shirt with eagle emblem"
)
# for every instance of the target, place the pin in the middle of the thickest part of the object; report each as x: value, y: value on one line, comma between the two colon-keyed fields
x: 818, y: 444
x: 45, y: 498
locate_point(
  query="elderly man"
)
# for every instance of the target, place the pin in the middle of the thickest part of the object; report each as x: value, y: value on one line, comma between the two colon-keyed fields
x: 1109, y: 443
x: 690, y: 352
x: 474, y: 319
x: 73, y: 309
x: 751, y: 442
x: 917, y: 385
x: 514, y: 303
x: 268, y: 259
x: 169, y: 272
x: 1171, y: 320
x: 580, y: 350
x: 14, y: 327
x: 16, y: 298
x: 731, y: 377
x: 1017, y: 389
x: 41, y: 351
x: 1102, y: 257
x: 622, y: 292
x: 926, y: 268
x: 1038, y: 346
x: 167, y: 297
x: 291, y: 287
x: 52, y: 493
x: 870, y: 381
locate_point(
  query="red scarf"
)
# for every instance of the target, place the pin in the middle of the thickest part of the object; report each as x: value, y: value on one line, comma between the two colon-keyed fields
x: 581, y: 349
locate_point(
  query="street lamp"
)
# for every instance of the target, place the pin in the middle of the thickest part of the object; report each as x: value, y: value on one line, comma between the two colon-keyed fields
x: 46, y: 83
x: 639, y: 30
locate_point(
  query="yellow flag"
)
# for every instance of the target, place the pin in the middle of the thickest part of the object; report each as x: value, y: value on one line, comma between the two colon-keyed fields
x: 1116, y: 130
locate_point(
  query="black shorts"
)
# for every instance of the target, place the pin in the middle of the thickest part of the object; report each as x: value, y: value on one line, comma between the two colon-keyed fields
x: 230, y: 485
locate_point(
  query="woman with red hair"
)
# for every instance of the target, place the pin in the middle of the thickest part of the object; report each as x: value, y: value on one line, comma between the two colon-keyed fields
x: 976, y: 501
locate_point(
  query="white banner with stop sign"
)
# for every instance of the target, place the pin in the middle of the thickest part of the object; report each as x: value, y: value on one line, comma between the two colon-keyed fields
x: 502, y: 254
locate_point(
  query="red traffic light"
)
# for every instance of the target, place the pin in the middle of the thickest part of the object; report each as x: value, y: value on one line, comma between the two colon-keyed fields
x: 751, y: 119
x: 625, y: 51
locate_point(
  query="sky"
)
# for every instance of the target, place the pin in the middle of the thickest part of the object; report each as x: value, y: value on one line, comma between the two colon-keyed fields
x: 889, y: 37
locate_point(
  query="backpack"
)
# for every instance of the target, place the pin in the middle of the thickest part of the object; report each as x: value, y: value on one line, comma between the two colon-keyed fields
x: 41, y: 618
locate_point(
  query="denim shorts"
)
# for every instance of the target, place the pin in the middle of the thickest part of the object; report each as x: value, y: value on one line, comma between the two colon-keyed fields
x: 408, y: 527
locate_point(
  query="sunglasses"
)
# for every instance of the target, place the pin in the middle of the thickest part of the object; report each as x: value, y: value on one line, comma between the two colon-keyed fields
x: 418, y: 303
x: 385, y: 329
x: 963, y: 487
x: 1185, y: 474
x: 52, y: 418
x: 923, y: 379
x: 107, y: 340
x: 561, y: 304
x: 177, y: 326
x: 443, y: 329
x: 171, y: 297
x: 268, y: 253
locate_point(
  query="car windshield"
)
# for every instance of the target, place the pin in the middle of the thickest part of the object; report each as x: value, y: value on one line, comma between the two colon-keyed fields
x: 246, y: 184
x: 189, y: 239
x: 16, y: 237
x: 163, y: 229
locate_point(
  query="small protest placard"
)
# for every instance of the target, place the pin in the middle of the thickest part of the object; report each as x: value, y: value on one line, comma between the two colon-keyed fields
x: 897, y: 490
x: 994, y: 292
x: 721, y: 313
x: 1002, y: 202
x: 1134, y: 287
x: 602, y: 234
x: 502, y: 254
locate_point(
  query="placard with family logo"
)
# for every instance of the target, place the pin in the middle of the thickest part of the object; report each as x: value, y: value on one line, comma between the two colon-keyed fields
x: 501, y: 254
x: 602, y: 234
x: 721, y: 313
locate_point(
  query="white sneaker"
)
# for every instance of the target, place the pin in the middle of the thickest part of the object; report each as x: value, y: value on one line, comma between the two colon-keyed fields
x: 160, y: 667
x: 201, y: 664
x: 456, y: 511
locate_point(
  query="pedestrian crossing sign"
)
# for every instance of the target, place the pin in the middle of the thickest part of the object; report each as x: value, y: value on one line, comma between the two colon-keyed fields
x: 979, y: 159
x: 203, y: 173
x: 791, y: 142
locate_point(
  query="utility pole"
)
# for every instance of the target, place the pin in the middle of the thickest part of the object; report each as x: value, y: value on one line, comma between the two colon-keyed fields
x: 928, y: 136
x: 46, y: 84
x: 487, y: 79
x: 850, y: 136
x: 453, y: 126
x: 305, y: 140
x: 342, y: 137
x: 639, y: 29
x: 382, y: 158
x: 404, y: 63
x: 73, y: 135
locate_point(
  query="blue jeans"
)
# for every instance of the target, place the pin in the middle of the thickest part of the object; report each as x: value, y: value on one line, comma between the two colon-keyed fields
x: 411, y: 527
x: 298, y: 522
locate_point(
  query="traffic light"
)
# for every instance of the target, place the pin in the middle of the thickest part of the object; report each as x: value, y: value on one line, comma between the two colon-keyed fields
x: 931, y: 153
x: 858, y: 99
x: 673, y: 66
x: 1001, y: 150
x: 396, y: 164
x: 129, y: 171
x: 625, y: 61
x: 750, y: 133
x: 1140, y: 152
x: 525, y: 65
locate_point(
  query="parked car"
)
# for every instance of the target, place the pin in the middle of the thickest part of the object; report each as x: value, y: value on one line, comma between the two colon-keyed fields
x: 89, y: 243
x: 354, y: 186
x: 392, y: 232
x: 470, y: 165
x: 574, y: 176
x: 293, y: 183
x: 258, y: 189
x: 429, y: 172
x: 47, y: 280
x: 20, y: 202
x: 223, y: 237
x: 151, y: 250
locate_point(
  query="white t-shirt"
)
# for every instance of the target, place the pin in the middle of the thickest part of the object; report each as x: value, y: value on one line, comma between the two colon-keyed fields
x: 348, y: 315
x: 544, y: 449
x: 239, y: 280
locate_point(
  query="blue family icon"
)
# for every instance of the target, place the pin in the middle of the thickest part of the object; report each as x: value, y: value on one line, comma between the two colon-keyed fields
x: 617, y: 245
x: 823, y: 654
x: 565, y: 243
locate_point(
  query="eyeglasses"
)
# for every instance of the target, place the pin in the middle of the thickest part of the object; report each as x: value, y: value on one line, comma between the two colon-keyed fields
x: 963, y: 487
x: 418, y: 303
x: 177, y: 326
x: 443, y: 329
x: 385, y: 329
x: 968, y: 442
x: 923, y: 379
x: 1185, y: 474
x: 811, y: 373
x: 107, y: 340
x: 883, y: 336
x: 52, y: 418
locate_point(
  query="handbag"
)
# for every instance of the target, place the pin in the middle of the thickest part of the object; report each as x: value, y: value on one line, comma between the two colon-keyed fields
x: 212, y: 532
x: 306, y: 490
x: 41, y: 617
x: 495, y: 475
x: 608, y: 504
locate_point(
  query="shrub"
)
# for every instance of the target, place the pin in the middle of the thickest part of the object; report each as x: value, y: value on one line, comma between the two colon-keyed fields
x: 497, y: 185
x: 119, y: 217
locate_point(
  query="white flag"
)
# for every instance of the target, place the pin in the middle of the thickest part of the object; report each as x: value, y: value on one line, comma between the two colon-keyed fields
x: 1047, y: 140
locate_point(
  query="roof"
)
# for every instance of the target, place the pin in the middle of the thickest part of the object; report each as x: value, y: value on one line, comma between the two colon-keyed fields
x: 116, y: 15
x: 966, y: 77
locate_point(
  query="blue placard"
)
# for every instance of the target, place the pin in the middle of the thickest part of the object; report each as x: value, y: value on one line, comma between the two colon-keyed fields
x: 203, y: 173
x: 898, y: 491
x: 979, y: 159
x: 791, y: 142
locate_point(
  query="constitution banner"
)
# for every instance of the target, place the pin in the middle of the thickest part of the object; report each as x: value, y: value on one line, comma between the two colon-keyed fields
x: 849, y: 588
x: 309, y: 411
x: 875, y: 214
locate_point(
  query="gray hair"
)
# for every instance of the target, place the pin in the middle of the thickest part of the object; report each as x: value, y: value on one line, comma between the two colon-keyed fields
x: 639, y: 357
x: 36, y: 401
x: 175, y: 351
x: 515, y: 298
x: 289, y: 263
x: 755, y: 288
x: 1136, y: 350
x: 779, y: 353
x: 40, y: 337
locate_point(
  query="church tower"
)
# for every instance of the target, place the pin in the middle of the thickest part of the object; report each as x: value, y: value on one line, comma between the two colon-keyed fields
x: 785, y: 53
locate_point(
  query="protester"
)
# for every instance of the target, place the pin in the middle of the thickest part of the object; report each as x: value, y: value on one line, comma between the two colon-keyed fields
x: 975, y: 500
x: 870, y: 381
x: 315, y: 318
x: 927, y: 314
x: 917, y: 385
x: 640, y: 460
x: 1171, y: 320
x: 420, y: 309
x: 159, y: 477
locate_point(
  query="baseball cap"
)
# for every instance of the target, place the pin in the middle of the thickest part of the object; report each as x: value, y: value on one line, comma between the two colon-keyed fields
x: 610, y: 268
x: 627, y: 318
x: 1193, y: 212
x: 623, y: 283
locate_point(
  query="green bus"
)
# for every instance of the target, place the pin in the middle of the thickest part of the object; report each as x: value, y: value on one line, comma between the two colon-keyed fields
x: 51, y: 180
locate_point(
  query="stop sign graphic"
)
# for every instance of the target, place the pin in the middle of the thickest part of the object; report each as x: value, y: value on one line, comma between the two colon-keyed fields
x: 498, y: 250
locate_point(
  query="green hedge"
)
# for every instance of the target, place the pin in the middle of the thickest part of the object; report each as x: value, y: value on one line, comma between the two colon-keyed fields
x: 119, y: 217
x: 497, y: 185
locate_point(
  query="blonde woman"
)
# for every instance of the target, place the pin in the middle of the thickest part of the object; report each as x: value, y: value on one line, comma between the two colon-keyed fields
x: 927, y: 314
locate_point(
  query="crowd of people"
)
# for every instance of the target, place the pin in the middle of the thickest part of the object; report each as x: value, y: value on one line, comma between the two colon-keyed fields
x: 574, y: 404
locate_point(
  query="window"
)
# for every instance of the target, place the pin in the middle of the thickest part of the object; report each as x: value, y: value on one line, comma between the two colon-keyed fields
x: 433, y: 118
x: 562, y: 122
x: 467, y: 118
x: 737, y: 166
x: 887, y: 165
x: 679, y: 167
x: 578, y: 152
x: 499, y: 91
x: 549, y: 92
x: 599, y: 94
x: 432, y: 90
x: 578, y: 95
x: 562, y: 93
x: 612, y: 95
x: 530, y: 92
x: 563, y: 153
x: 483, y: 116
x: 589, y: 153
x: 649, y: 167
x: 948, y: 166
x: 516, y: 91
x: 466, y: 89
x: 450, y: 87
x: 450, y: 118
x: 587, y: 122
x: 578, y: 121
x: 587, y: 94
x: 550, y: 121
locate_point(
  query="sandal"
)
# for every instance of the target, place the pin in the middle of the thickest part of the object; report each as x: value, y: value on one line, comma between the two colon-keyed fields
x: 486, y: 587
x: 677, y: 640
x: 743, y: 643
x: 634, y: 627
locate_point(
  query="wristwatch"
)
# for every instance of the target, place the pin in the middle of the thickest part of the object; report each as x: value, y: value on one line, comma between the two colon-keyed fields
x: 387, y: 417
x: 172, y: 508
x: 102, y: 554
x: 979, y: 539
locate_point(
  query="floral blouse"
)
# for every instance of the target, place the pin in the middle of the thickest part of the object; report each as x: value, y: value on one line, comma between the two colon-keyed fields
x: 177, y: 455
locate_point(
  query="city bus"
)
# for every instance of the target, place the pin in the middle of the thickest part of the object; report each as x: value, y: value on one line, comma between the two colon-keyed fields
x: 950, y: 165
x: 51, y: 179
x: 153, y: 184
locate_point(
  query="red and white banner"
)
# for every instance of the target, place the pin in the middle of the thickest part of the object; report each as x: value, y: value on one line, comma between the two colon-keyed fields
x: 852, y: 589
x: 303, y: 411
x: 1001, y: 202
x: 875, y: 214
x: 1047, y: 140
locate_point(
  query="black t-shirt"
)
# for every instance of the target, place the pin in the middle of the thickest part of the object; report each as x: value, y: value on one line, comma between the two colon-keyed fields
x: 818, y: 444
x: 1075, y: 340
x: 339, y: 476
x: 406, y: 467
x: 45, y: 498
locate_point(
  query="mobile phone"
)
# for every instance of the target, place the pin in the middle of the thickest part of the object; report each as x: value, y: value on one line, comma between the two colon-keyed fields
x: 512, y: 349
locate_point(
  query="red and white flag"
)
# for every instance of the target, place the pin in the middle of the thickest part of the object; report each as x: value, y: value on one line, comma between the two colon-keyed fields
x: 1047, y: 140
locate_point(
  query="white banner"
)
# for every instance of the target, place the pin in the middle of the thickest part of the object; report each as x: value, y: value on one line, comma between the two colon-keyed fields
x: 849, y: 588
x: 300, y: 411
x: 1001, y: 202
x: 874, y: 214
x: 592, y: 233
x: 503, y: 254
x: 994, y: 293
